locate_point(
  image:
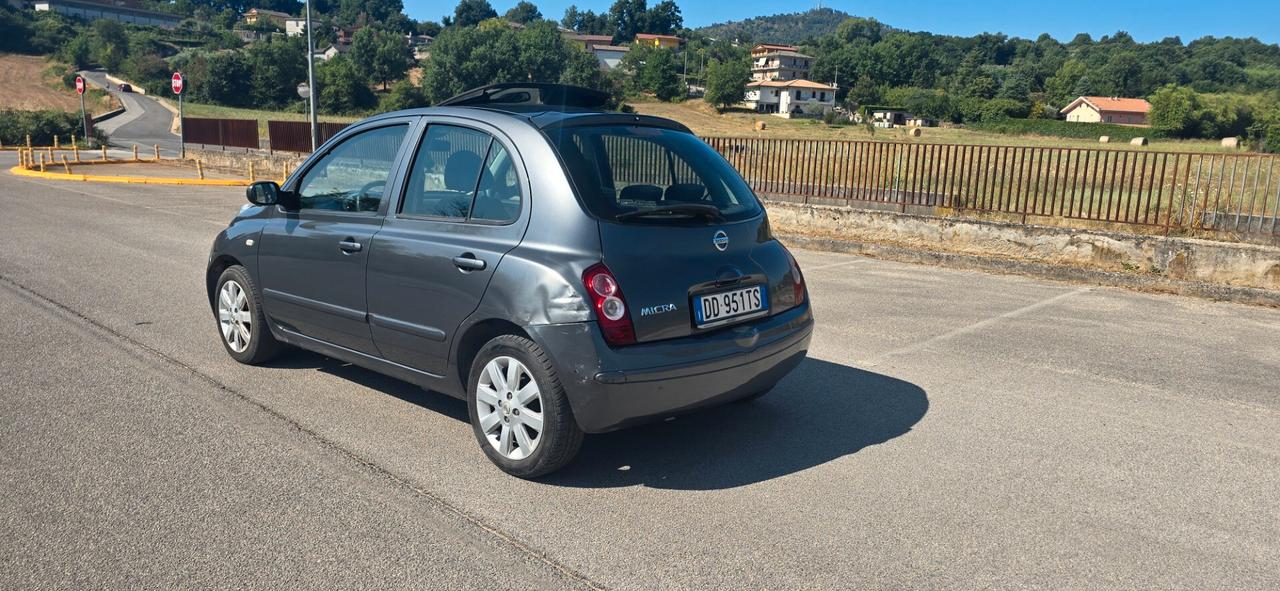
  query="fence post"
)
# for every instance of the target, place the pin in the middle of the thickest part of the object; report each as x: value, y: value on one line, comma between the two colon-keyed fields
x: 42, y: 162
x: 55, y: 141
x: 135, y: 152
x: 157, y: 148
x: 104, y: 152
x: 28, y: 141
x: 65, y: 165
x: 76, y: 151
x: 199, y: 169
x: 251, y: 176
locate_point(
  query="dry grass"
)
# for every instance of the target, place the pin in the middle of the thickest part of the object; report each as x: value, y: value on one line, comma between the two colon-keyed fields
x: 705, y: 121
x: 31, y: 83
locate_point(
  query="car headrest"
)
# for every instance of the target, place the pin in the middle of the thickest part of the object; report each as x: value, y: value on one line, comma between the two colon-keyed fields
x: 686, y: 192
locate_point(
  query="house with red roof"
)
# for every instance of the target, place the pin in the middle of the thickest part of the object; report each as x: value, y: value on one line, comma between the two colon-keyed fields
x: 1101, y: 109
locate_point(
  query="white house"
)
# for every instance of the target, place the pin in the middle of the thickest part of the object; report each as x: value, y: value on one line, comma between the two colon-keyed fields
x: 1101, y: 109
x: 609, y: 56
x: 779, y: 62
x: 790, y: 98
x: 295, y: 27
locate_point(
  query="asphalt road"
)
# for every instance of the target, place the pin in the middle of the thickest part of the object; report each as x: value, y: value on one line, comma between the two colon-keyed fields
x: 145, y: 122
x: 951, y: 429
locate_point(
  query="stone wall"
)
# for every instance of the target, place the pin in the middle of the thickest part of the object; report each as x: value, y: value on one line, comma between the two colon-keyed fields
x: 266, y: 165
x: 1172, y: 258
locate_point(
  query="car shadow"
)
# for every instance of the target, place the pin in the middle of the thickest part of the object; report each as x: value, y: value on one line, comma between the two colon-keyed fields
x: 821, y: 412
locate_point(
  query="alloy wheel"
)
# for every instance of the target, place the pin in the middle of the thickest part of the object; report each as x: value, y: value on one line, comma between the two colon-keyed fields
x: 234, y: 316
x: 509, y: 407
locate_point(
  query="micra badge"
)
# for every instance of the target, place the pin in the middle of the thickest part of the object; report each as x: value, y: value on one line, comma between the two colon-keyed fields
x: 659, y: 309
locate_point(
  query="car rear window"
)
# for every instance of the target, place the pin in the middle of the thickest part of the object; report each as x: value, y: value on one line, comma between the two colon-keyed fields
x: 619, y: 169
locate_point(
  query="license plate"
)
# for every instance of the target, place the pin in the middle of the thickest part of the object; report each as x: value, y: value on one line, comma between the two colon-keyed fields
x: 718, y: 308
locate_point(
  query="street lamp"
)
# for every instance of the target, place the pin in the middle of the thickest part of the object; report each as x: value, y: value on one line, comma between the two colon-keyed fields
x: 311, y: 80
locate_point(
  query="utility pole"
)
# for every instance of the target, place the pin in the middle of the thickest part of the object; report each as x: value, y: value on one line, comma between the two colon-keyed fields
x: 311, y: 82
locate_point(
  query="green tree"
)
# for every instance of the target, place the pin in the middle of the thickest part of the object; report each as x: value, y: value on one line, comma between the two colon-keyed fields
x: 470, y: 13
x: 628, y: 17
x: 523, y: 12
x: 383, y: 55
x: 277, y: 65
x: 1061, y: 87
x: 343, y: 88
x: 726, y: 83
x: 404, y: 95
x: 655, y: 72
x: 663, y: 19
x: 1175, y: 111
x: 77, y: 51
x: 110, y: 43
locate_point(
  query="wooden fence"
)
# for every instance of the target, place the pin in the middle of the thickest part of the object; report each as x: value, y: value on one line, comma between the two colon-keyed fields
x: 1222, y: 192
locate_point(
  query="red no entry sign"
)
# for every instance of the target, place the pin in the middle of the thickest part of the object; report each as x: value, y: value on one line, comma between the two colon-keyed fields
x: 177, y: 83
x: 79, y: 85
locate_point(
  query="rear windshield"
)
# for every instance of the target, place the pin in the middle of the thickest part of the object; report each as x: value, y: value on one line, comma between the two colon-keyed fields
x: 622, y: 169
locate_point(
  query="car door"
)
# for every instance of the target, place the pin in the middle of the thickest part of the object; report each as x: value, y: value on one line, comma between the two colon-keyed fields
x: 463, y: 207
x: 312, y: 260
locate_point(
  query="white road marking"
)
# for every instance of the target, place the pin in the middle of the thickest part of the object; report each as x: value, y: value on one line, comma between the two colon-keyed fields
x: 874, y: 361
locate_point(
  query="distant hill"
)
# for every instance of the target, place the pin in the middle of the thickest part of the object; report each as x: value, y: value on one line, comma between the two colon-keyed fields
x: 780, y: 28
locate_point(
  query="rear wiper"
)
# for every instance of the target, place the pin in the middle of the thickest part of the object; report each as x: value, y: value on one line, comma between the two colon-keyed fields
x: 709, y: 211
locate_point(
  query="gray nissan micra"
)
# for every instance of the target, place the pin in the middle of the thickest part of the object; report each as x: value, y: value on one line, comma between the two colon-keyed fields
x: 563, y: 269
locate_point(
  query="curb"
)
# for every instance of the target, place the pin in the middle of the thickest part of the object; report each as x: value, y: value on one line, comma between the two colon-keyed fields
x: 139, y: 180
x: 1133, y: 281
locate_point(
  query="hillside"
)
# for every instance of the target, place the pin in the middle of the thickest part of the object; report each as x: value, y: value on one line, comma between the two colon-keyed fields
x: 28, y: 87
x: 796, y: 27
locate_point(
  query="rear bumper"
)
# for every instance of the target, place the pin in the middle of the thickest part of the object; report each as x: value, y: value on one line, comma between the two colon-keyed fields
x: 611, y: 388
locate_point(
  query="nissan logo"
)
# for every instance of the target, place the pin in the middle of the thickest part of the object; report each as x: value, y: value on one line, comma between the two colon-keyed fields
x: 721, y: 240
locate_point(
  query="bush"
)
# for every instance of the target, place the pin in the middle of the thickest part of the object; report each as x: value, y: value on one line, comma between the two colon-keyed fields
x: 41, y: 125
x: 1067, y: 129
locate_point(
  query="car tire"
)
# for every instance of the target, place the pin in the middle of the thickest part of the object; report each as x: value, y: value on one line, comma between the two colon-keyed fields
x: 236, y: 303
x: 500, y: 413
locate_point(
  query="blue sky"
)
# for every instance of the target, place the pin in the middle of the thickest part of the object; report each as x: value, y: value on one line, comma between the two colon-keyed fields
x: 1146, y: 20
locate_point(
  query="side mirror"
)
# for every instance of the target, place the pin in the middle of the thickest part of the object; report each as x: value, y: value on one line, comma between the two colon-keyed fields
x: 263, y: 193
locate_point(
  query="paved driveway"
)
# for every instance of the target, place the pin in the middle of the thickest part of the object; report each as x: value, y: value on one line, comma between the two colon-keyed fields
x: 951, y: 429
x: 145, y: 122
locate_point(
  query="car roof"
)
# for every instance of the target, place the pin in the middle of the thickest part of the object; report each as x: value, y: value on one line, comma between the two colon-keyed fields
x: 543, y: 106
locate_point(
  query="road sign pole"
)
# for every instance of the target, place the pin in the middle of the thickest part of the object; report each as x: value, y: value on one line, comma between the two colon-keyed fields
x: 83, y: 123
x: 311, y: 80
x: 182, y: 132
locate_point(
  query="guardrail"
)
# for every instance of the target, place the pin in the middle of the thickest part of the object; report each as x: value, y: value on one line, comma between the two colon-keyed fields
x: 1165, y: 190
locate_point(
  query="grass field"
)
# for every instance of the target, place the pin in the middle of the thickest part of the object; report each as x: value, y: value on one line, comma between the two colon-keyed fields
x: 705, y: 121
x: 31, y: 83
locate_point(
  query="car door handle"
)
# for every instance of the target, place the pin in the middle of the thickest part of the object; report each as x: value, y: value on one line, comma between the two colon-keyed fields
x: 468, y: 262
x: 349, y: 245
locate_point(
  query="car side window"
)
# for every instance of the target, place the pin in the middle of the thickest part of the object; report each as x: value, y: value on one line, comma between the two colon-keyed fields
x: 446, y: 172
x: 498, y: 198
x: 353, y: 175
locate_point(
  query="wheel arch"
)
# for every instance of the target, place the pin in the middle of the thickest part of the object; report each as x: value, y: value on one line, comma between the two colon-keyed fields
x: 473, y: 339
x: 219, y: 264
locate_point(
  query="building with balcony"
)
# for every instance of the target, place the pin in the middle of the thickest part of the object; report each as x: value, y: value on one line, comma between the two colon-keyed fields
x: 779, y: 62
x: 790, y: 98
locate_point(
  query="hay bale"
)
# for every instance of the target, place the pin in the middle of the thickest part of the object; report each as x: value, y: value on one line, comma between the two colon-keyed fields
x: 761, y: 125
x: 1231, y: 142
x: 1106, y: 139
x: 1138, y: 141
x: 915, y: 132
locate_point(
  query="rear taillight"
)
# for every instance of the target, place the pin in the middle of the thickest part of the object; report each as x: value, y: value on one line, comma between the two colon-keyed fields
x: 797, y: 279
x: 610, y: 305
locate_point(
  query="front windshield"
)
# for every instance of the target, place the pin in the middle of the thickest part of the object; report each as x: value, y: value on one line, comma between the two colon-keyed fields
x: 621, y: 169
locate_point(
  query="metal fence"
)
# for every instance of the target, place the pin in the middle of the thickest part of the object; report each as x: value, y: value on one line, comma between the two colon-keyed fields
x: 295, y: 136
x: 1163, y: 190
x: 239, y: 133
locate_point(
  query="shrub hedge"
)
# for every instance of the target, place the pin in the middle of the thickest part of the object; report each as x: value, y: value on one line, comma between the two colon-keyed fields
x: 1067, y: 129
x: 41, y: 125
